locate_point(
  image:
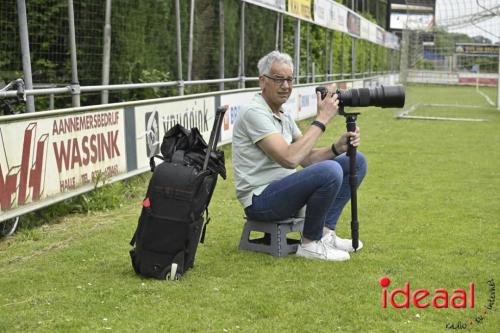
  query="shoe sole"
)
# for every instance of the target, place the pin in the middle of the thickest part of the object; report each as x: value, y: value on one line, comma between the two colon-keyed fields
x: 312, y: 255
x: 350, y: 250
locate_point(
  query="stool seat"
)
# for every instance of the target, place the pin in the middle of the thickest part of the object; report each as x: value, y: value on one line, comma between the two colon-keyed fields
x: 275, y: 241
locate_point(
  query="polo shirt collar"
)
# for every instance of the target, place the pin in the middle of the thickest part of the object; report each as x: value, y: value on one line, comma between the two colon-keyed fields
x: 259, y: 99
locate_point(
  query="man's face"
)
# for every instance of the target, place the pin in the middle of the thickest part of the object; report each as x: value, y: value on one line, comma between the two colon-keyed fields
x: 277, y: 85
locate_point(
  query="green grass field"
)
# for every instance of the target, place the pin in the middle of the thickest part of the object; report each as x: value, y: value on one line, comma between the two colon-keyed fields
x: 429, y: 214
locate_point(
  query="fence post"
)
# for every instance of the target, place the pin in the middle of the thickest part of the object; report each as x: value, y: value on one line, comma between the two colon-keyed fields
x: 353, y: 58
x: 106, y: 52
x: 222, y: 41
x: 190, y: 45
x: 342, y: 55
x: 330, y: 42
x: 403, y: 66
x: 241, y: 59
x: 308, y: 56
x: 498, y: 80
x: 25, y: 50
x: 281, y: 32
x: 313, y: 72
x: 370, y: 69
x: 363, y: 61
x: 180, y: 85
x: 277, y: 32
x: 297, y: 50
x: 75, y: 85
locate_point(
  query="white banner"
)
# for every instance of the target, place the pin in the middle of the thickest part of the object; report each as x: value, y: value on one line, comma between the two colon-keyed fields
x: 154, y: 120
x: 278, y: 5
x: 44, y: 157
x: 373, y: 33
x: 380, y: 36
x: 391, y: 40
x: 339, y: 17
x: 322, y: 12
x: 412, y: 21
x: 302, y: 102
x: 234, y: 102
x: 365, y: 28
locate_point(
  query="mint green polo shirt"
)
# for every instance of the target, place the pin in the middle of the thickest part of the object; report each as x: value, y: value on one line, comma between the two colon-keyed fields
x: 253, y: 169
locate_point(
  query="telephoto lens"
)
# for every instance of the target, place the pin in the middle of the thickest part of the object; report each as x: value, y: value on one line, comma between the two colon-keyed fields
x: 383, y: 96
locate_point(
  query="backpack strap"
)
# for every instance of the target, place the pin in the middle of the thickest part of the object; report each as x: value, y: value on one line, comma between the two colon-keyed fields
x: 207, y: 219
x: 152, y: 163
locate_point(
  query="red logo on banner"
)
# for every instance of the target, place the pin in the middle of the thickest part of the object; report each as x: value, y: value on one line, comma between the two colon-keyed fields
x: 27, y: 178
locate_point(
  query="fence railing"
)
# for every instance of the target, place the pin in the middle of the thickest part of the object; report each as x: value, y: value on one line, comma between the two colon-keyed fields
x: 75, y: 88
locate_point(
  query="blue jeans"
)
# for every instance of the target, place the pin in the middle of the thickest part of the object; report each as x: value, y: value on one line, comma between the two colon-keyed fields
x: 323, y: 187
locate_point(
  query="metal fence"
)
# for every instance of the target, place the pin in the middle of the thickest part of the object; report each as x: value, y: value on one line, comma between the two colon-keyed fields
x: 460, y: 46
x: 92, y: 52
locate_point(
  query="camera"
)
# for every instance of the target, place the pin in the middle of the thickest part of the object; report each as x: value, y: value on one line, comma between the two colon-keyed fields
x: 383, y: 96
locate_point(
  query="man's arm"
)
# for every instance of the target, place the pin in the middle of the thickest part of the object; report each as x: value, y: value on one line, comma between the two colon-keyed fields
x: 290, y: 155
x: 326, y: 153
x: 317, y: 155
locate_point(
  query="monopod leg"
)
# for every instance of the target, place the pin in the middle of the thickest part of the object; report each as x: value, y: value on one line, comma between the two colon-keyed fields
x: 353, y: 181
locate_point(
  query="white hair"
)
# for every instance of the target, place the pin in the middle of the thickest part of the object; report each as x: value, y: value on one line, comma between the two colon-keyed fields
x: 265, y: 63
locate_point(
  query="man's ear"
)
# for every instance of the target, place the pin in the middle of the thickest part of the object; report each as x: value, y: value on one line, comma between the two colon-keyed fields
x: 261, y: 81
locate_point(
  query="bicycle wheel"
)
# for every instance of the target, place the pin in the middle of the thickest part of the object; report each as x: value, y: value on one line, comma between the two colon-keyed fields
x: 8, y: 227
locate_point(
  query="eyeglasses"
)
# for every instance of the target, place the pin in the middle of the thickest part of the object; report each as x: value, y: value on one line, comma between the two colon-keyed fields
x: 280, y: 80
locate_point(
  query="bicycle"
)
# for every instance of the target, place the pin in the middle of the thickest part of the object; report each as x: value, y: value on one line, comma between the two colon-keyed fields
x: 8, y: 107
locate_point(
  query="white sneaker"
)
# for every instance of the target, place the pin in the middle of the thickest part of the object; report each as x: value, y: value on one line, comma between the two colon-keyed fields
x: 335, y: 242
x: 319, y: 250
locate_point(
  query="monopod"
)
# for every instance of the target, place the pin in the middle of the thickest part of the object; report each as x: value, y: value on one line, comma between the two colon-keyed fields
x: 382, y: 96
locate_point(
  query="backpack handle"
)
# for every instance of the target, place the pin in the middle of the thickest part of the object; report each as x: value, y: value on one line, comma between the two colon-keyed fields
x: 214, y: 136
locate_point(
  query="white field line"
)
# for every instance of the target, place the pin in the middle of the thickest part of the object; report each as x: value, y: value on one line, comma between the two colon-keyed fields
x: 405, y: 113
x: 486, y: 97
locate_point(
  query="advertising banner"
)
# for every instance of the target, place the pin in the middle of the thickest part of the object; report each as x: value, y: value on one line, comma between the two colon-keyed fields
x: 301, y: 8
x: 302, y: 102
x: 234, y: 103
x: 45, y: 157
x: 365, y: 28
x: 373, y: 33
x: 380, y: 35
x: 353, y: 23
x: 322, y: 12
x: 412, y: 21
x: 154, y: 120
x: 339, y: 17
x: 278, y: 5
x: 332, y: 15
x: 476, y: 49
x: 391, y: 40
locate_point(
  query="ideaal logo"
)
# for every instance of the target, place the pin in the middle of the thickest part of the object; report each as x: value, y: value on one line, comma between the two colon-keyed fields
x: 25, y: 180
x: 458, y: 298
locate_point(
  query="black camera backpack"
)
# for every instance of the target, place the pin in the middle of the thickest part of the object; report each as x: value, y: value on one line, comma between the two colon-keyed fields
x: 175, y: 211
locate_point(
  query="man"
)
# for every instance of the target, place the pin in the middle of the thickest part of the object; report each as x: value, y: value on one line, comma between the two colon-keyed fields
x: 268, y: 146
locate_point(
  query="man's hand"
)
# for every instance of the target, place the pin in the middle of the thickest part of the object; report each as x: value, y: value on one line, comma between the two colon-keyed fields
x: 327, y: 107
x: 342, y: 143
